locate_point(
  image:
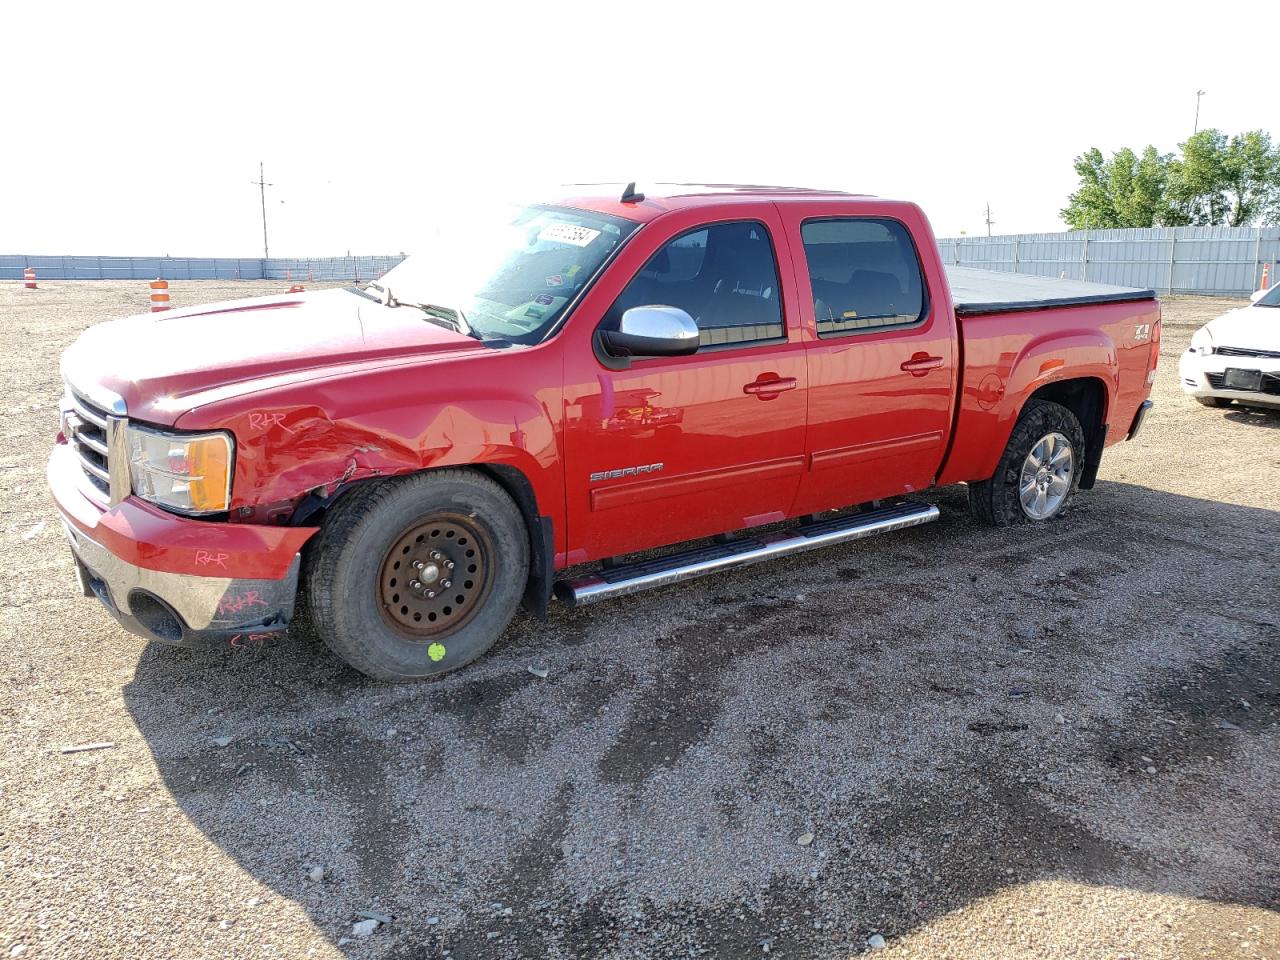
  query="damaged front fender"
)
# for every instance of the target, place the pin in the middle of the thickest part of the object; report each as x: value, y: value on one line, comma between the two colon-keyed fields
x: 308, y: 441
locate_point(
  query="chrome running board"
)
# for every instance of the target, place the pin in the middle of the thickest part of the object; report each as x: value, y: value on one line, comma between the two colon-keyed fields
x: 646, y: 574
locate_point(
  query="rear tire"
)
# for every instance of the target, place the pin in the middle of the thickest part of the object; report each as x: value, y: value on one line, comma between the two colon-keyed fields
x: 377, y: 572
x: 1039, y: 471
x: 1213, y: 401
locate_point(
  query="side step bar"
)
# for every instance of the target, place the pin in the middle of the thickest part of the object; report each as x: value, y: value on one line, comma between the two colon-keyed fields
x: 646, y: 574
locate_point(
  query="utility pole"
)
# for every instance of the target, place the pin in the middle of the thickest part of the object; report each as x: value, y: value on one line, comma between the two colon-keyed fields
x: 262, y: 185
x: 989, y: 220
x: 1196, y: 128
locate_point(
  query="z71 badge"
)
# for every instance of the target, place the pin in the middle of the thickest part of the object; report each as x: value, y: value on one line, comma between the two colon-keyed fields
x: 625, y: 472
x: 1142, y: 332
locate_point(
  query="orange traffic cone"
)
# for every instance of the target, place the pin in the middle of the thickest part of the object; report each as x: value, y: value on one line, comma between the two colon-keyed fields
x: 159, y: 295
x: 296, y: 288
x: 1266, y: 269
x: 29, y: 278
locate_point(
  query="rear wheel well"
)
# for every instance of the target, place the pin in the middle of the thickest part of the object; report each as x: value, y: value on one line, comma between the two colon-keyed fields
x: 1086, y: 397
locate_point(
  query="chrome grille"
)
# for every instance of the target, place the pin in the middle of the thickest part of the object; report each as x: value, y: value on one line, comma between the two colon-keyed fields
x: 86, y: 430
x: 1247, y: 352
x: 95, y: 434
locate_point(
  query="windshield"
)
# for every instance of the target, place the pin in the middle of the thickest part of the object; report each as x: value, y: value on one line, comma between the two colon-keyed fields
x: 1272, y: 299
x: 510, y: 279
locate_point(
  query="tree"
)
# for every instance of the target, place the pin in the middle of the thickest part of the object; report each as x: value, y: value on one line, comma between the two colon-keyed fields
x: 1143, y: 204
x: 1215, y: 180
x: 1125, y: 191
x: 1196, y: 192
x: 1251, y: 176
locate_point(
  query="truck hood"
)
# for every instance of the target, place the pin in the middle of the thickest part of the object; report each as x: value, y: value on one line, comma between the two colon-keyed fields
x: 164, y: 364
x: 1254, y: 328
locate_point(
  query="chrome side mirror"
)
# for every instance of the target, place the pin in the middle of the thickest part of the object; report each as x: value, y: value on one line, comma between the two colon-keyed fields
x: 652, y: 331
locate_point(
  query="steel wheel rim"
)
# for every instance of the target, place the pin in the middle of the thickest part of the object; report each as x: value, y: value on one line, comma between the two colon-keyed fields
x: 1045, y: 479
x: 431, y: 552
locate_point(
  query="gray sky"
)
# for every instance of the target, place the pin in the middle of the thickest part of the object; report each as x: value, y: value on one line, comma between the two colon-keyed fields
x: 136, y: 129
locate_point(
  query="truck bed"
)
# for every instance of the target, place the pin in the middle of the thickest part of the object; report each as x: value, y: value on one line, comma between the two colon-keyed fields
x: 993, y: 291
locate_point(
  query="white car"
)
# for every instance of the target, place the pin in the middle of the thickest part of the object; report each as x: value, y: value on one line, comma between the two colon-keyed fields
x: 1237, y: 356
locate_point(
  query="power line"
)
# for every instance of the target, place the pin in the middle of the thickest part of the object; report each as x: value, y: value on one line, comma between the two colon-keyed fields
x: 261, y: 184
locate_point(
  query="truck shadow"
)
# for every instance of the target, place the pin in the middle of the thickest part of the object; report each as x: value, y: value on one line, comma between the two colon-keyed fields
x: 859, y: 740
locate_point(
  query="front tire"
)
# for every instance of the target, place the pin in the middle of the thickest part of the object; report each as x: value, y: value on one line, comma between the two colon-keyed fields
x: 416, y: 576
x: 1213, y: 402
x: 1039, y: 471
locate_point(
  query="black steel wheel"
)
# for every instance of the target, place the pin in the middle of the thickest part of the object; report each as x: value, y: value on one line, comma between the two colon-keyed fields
x: 436, y: 575
x: 415, y: 576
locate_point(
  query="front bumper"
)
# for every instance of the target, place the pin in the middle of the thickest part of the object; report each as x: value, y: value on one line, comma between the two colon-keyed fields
x: 193, y: 583
x: 1201, y: 375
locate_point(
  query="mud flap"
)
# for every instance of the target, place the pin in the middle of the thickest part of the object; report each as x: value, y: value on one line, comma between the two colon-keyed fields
x: 537, y: 595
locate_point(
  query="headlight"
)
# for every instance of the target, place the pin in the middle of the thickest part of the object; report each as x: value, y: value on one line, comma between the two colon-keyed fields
x: 1201, y: 342
x: 185, y: 472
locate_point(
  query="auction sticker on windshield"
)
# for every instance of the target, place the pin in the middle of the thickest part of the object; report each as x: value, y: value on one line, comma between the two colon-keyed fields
x: 568, y: 233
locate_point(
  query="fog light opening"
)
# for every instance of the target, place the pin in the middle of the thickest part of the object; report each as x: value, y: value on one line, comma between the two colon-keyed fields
x: 156, y: 616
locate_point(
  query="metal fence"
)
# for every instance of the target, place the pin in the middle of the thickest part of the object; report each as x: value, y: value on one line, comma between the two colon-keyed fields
x: 1222, y: 261
x: 197, y: 268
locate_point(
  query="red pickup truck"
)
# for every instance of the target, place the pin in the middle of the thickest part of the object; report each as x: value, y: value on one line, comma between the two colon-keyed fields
x: 589, y: 379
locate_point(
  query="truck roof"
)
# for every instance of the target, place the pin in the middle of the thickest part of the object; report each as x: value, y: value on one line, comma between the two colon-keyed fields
x: 660, y: 198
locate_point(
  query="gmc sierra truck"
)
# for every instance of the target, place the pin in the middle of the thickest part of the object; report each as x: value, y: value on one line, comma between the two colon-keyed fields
x: 729, y: 373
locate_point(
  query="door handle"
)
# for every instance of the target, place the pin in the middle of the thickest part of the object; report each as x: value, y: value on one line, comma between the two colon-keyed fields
x: 920, y: 364
x: 768, y: 389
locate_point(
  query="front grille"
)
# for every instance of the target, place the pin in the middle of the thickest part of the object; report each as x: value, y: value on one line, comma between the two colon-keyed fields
x: 1270, y: 383
x: 1247, y: 352
x: 86, y: 429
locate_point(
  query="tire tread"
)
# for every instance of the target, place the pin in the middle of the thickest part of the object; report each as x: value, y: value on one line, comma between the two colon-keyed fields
x: 994, y: 501
x: 325, y: 564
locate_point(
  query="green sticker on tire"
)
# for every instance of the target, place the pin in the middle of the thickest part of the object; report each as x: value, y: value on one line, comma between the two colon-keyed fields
x: 436, y: 652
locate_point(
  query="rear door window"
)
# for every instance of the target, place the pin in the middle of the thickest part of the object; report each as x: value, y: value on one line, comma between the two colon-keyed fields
x: 864, y: 275
x: 725, y: 276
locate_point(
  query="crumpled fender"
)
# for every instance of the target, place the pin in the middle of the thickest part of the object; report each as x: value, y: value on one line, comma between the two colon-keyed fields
x: 316, y: 437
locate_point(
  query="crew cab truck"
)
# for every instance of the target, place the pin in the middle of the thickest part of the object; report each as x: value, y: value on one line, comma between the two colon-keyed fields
x: 595, y: 377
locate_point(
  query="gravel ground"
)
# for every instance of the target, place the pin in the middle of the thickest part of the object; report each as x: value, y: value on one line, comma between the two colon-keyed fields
x: 1058, y: 742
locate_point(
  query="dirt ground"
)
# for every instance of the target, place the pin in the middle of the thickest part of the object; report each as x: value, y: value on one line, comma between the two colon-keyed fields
x: 1033, y: 743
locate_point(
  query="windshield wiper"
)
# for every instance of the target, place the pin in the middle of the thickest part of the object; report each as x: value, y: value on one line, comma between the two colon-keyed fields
x: 454, y: 318
x: 450, y: 315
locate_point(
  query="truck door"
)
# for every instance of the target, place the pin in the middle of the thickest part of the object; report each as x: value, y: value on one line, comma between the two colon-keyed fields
x: 881, y: 358
x: 676, y: 448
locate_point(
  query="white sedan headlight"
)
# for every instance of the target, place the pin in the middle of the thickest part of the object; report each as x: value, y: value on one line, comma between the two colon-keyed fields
x: 185, y: 472
x: 1201, y: 342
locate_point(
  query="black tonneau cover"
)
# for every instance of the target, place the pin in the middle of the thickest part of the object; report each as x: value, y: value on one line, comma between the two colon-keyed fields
x: 994, y: 291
